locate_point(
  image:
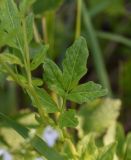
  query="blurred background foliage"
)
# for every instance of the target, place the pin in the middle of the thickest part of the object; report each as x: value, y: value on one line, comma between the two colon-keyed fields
x: 106, y: 26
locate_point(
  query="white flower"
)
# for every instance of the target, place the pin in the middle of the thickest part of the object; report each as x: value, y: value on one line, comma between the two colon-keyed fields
x: 5, y: 155
x: 50, y: 136
x: 39, y: 158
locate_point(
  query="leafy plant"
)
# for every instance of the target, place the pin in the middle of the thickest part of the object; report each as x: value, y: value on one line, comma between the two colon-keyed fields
x: 18, y: 61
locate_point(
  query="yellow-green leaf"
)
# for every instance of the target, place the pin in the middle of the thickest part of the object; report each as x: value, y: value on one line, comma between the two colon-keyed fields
x: 108, y: 152
x: 10, y: 59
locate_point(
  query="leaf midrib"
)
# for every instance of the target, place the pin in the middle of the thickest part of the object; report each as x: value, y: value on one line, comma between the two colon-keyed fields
x: 85, y: 93
x: 74, y: 67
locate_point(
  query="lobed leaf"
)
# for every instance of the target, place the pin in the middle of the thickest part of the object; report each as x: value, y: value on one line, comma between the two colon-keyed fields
x: 74, y: 63
x: 86, y: 92
x: 74, y: 67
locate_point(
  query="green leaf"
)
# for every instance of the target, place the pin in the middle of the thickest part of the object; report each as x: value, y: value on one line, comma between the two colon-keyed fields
x: 23, y: 80
x: 53, y: 76
x: 10, y: 59
x: 74, y: 64
x: 25, y: 5
x: 11, y: 24
x: 69, y: 149
x: 127, y: 155
x: 47, y: 5
x: 6, y: 39
x: 120, y: 138
x: 44, y: 100
x: 37, y: 82
x: 68, y: 119
x: 87, y: 148
x: 39, y: 57
x: 43, y: 149
x: 108, y: 152
x: 36, y: 141
x: 29, y: 26
x: 86, y: 92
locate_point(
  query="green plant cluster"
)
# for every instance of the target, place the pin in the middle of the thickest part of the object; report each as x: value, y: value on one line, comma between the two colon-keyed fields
x: 89, y: 133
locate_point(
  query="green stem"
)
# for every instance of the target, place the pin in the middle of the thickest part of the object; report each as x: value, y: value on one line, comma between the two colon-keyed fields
x: 44, y: 29
x: 72, y: 148
x: 36, y: 33
x: 114, y: 37
x: 30, y: 87
x: 63, y: 105
x: 78, y: 19
x: 96, y: 51
x: 42, y: 113
x: 49, y: 31
x: 27, y: 54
